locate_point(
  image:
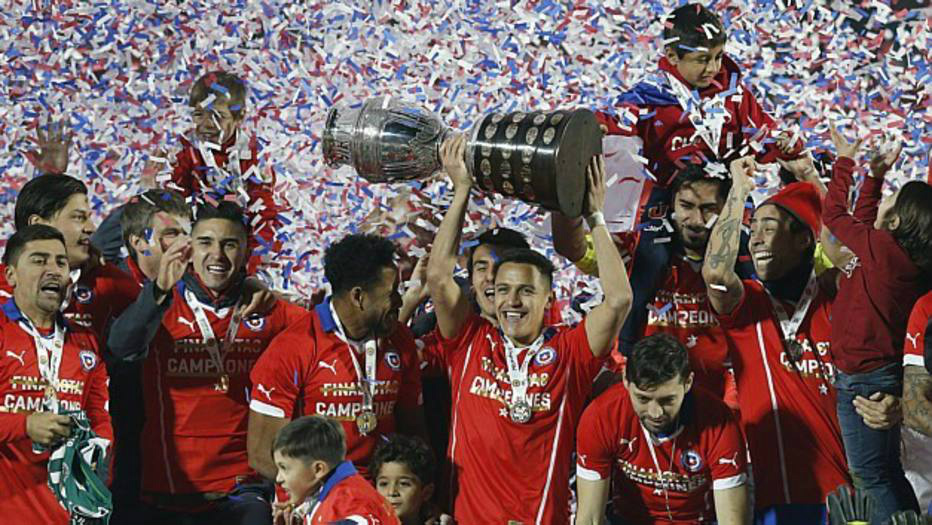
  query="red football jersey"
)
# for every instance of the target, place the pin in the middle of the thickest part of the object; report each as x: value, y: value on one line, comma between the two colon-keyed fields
x: 347, y: 498
x: 83, y: 386
x: 914, y: 349
x: 195, y: 433
x: 308, y: 370
x: 674, y: 483
x: 784, y: 404
x: 505, y: 471
x: 681, y: 308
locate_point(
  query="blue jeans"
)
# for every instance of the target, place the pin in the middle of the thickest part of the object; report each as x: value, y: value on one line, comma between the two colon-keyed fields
x: 874, y: 455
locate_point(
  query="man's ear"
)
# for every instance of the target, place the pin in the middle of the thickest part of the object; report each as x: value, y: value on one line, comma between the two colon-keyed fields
x: 35, y: 219
x: 11, y: 275
x: 670, y: 53
x: 689, y: 381
x: 356, y: 297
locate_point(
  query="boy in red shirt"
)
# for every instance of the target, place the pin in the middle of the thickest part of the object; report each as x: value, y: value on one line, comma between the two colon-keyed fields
x: 310, y: 455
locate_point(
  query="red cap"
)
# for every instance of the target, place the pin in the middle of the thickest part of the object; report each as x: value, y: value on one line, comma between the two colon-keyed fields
x: 801, y: 200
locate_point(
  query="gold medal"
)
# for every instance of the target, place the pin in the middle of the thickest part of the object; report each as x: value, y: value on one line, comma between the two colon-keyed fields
x: 223, y: 385
x: 49, y: 392
x: 366, y: 422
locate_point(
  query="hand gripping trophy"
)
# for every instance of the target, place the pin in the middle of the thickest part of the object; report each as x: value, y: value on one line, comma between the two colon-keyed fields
x: 538, y: 157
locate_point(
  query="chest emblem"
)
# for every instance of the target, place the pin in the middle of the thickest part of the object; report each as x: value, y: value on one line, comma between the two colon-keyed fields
x: 691, y: 460
x: 545, y: 357
x: 83, y: 294
x: 393, y: 360
x: 88, y: 360
x: 256, y: 324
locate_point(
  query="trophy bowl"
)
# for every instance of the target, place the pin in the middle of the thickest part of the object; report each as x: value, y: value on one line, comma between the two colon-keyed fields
x: 538, y: 157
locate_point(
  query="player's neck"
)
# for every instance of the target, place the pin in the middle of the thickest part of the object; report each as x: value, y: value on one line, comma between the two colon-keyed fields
x: 353, y: 327
x: 790, y: 286
x: 38, y: 317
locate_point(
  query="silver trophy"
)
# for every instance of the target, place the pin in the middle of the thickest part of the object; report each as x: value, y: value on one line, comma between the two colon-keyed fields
x: 538, y: 157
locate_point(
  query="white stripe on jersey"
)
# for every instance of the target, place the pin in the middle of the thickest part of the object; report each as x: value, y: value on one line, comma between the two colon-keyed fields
x: 730, y: 483
x: 776, y: 413
x: 913, y: 360
x: 553, y: 461
x: 265, y: 409
x: 586, y: 474
x: 357, y: 519
x: 456, y: 405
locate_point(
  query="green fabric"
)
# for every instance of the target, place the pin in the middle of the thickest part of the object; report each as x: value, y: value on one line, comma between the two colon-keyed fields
x: 78, y: 468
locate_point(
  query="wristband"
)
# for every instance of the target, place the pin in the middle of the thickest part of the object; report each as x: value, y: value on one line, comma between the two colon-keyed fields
x: 596, y: 219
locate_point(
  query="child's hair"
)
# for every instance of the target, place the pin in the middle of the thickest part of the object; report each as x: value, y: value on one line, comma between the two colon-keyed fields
x: 411, y: 452
x: 914, y: 233
x: 691, y: 27
x: 226, y: 87
x: 312, y: 438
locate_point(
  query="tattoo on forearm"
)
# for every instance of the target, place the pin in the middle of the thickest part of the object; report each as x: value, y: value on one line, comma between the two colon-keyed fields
x: 725, y: 235
x: 917, y: 402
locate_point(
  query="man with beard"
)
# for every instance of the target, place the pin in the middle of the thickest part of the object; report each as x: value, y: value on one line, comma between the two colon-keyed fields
x: 778, y: 332
x: 349, y: 360
x: 199, y: 353
x: 49, y: 366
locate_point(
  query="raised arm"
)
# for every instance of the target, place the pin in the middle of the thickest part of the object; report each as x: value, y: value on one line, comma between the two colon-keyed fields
x: 718, y: 270
x: 604, y: 322
x: 569, y: 237
x: 450, y: 303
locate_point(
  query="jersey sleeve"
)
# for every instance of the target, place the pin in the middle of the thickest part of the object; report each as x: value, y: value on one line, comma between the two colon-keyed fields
x: 917, y: 332
x: 451, y: 346
x: 596, y: 439
x: 12, y: 427
x: 182, y: 179
x: 410, y: 394
x: 575, y: 343
x: 727, y: 455
x: 743, y: 314
x: 277, y: 375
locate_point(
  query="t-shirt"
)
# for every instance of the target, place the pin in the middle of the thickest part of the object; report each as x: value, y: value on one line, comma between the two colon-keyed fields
x: 505, y: 471
x: 665, y: 480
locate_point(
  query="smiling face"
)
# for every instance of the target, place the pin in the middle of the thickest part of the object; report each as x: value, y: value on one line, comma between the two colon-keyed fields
x: 215, y: 124
x: 39, y: 277
x: 218, y: 252
x: 698, y: 68
x: 483, y: 284
x: 300, y: 479
x: 695, y: 205
x: 74, y: 223
x: 381, y: 303
x: 403, y: 490
x: 522, y: 296
x: 164, y: 229
x: 658, y: 407
x: 775, y: 247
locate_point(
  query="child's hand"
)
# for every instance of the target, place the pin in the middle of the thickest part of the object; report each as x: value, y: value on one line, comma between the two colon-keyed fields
x: 842, y: 147
x: 802, y: 168
x: 786, y: 143
x: 884, y: 158
x: 54, y: 144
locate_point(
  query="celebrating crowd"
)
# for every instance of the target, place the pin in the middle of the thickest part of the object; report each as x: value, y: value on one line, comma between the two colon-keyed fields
x: 743, y: 362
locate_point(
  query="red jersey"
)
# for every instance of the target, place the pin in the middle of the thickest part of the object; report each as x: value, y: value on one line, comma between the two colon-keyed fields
x: 914, y: 349
x: 195, y: 432
x: 505, y: 471
x: 681, y: 308
x: 667, y: 480
x: 786, y: 403
x: 347, y: 498
x: 82, y: 386
x: 308, y: 370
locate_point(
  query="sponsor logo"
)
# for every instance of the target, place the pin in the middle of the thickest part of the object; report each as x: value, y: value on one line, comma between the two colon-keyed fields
x: 21, y: 357
x: 733, y: 461
x: 330, y: 366
x: 266, y: 392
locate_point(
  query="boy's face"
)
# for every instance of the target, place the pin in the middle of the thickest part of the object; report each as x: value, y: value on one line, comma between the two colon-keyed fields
x: 698, y: 68
x: 216, y: 123
x: 300, y: 479
x: 403, y: 490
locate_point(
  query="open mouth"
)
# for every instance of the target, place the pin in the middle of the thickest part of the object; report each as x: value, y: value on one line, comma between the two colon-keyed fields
x: 51, y: 289
x: 763, y: 256
x: 217, y: 269
x: 514, y: 316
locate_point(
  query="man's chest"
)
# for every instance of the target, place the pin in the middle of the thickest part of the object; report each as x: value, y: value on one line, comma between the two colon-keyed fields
x: 24, y: 385
x: 680, y: 466
x: 340, y: 372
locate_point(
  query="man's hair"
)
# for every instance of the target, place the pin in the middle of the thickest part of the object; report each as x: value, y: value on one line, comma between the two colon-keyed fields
x: 23, y: 236
x: 312, y: 438
x: 693, y: 173
x: 355, y: 260
x: 45, y: 196
x: 409, y: 451
x: 503, y: 238
x: 137, y: 215
x: 914, y: 233
x: 226, y: 87
x: 525, y: 256
x: 656, y: 359
x: 226, y: 210
x: 691, y: 26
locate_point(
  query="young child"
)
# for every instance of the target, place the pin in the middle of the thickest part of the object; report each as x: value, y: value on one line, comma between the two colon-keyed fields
x: 404, y: 473
x: 310, y: 454
x: 892, y: 243
x: 694, y: 111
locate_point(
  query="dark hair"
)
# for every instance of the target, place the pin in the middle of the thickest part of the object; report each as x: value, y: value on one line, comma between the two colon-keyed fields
x: 138, y: 212
x: 693, y: 173
x: 686, y: 25
x: 914, y: 233
x: 226, y: 87
x: 504, y: 238
x: 410, y: 451
x: 45, y: 196
x: 312, y: 438
x: 23, y: 236
x: 226, y: 210
x: 656, y: 359
x: 355, y: 260
x: 526, y: 256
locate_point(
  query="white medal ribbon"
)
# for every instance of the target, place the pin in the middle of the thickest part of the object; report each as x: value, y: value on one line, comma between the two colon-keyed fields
x: 664, y: 484
x: 518, y: 373
x: 790, y: 325
x: 49, y: 352
x: 366, y: 381
x: 707, y: 116
x: 217, y: 349
x: 73, y: 278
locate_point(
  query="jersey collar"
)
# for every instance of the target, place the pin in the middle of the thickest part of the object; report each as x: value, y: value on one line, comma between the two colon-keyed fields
x: 343, y: 471
x: 327, y: 322
x: 190, y: 281
x: 14, y: 314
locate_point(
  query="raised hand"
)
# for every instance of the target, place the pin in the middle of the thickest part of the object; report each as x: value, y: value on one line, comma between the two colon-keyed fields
x: 742, y: 170
x: 54, y: 143
x: 453, y: 158
x: 843, y: 148
x: 173, y: 264
x: 884, y: 158
x: 595, y: 185
x: 803, y: 168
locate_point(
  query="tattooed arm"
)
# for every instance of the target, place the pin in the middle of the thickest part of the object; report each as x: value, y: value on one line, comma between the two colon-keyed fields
x: 718, y: 270
x: 917, y: 399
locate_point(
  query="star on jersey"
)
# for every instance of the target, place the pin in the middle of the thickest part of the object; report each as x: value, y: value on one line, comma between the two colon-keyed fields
x: 692, y: 341
x: 823, y: 389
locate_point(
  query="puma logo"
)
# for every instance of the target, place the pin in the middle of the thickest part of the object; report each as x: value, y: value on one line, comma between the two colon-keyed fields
x: 262, y: 390
x: 914, y: 339
x: 492, y: 342
x: 628, y: 443
x: 21, y: 357
x: 733, y: 461
x: 331, y: 366
x: 190, y: 324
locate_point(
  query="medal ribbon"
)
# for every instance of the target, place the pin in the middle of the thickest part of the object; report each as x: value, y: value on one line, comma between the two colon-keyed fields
x: 789, y: 326
x: 49, y: 351
x: 664, y: 483
x: 711, y: 113
x: 518, y: 373
x: 217, y: 349
x: 366, y: 381
x: 74, y: 276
